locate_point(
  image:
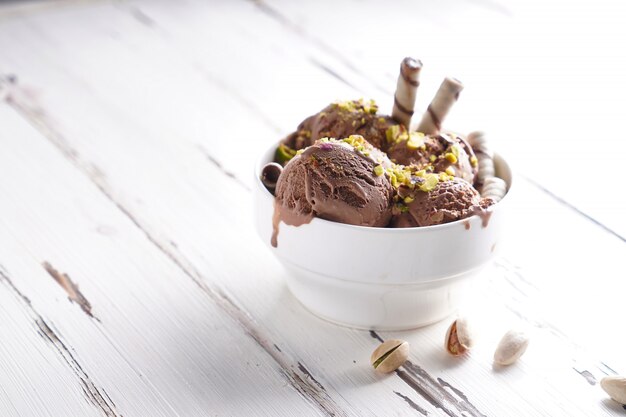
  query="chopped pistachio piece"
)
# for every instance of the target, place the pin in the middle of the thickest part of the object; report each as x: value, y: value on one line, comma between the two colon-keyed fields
x: 450, y: 157
x: 431, y: 181
x: 356, y: 141
x: 450, y: 171
x: 432, y: 158
x: 474, y: 161
x: 379, y: 170
x: 409, y: 199
x: 415, y: 141
x: 393, y: 179
x: 370, y: 107
x: 443, y: 176
x: 392, y: 133
x: 284, y: 153
x: 345, y: 106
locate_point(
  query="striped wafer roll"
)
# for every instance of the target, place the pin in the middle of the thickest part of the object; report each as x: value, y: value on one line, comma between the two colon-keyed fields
x: 404, y: 99
x: 494, y: 188
x: 484, y: 154
x: 270, y: 174
x: 437, y: 110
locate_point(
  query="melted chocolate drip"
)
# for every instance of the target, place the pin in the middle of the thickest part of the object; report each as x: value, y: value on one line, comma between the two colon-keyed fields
x: 288, y: 217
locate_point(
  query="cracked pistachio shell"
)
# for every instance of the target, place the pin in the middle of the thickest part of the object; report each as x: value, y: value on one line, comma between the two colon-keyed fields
x: 615, y: 386
x: 390, y: 355
x: 511, y: 347
x: 459, y: 337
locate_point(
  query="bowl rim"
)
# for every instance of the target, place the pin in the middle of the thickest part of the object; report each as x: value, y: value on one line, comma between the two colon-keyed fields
x: 263, y: 159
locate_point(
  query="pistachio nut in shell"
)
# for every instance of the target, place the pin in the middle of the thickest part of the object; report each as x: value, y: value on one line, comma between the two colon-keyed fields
x: 511, y: 347
x: 390, y: 355
x: 459, y: 337
x: 615, y: 386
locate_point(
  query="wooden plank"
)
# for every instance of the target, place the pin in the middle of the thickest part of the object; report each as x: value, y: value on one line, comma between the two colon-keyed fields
x: 175, y: 165
x: 150, y: 339
x: 49, y: 383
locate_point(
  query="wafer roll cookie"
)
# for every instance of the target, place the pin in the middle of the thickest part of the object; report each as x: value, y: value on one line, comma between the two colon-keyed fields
x: 494, y: 188
x: 484, y: 154
x: 404, y: 99
x: 270, y: 174
x: 437, y: 110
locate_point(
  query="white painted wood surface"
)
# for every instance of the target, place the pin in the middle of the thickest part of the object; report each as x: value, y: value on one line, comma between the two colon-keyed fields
x: 128, y: 131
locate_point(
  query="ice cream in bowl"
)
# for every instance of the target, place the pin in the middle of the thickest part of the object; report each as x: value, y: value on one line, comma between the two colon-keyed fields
x: 381, y: 224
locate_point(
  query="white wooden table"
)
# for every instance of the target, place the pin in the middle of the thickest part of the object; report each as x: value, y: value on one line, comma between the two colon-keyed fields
x: 132, y: 282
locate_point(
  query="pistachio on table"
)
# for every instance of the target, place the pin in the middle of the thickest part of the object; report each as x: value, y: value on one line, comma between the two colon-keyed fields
x: 459, y: 337
x: 390, y: 355
x: 511, y: 347
x: 615, y: 386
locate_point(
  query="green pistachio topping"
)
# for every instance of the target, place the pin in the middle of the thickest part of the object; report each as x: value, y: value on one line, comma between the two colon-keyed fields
x: 450, y: 157
x: 474, y: 161
x: 444, y: 176
x: 430, y: 182
x: 357, y: 106
x: 284, y: 153
x: 450, y: 171
x: 379, y: 170
x: 400, y: 175
x: 357, y: 142
x: 392, y: 133
x: 432, y: 158
x: 416, y: 141
x: 409, y: 199
x: 456, y: 150
x: 402, y: 208
x: 369, y: 107
x: 394, y: 179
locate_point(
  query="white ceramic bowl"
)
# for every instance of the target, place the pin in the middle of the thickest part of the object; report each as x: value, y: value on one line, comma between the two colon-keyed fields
x: 380, y: 278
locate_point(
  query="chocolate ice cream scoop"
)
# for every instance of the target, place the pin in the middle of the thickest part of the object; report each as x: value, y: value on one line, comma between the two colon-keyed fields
x: 339, y: 120
x: 447, y: 153
x: 339, y: 180
x: 444, y: 200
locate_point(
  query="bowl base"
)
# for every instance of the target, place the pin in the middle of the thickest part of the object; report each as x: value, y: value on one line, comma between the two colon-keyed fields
x: 382, y: 306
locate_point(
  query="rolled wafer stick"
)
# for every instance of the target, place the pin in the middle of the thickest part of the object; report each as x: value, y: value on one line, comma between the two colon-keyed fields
x: 404, y: 99
x: 439, y: 107
x: 270, y: 174
x: 484, y: 155
x: 494, y: 188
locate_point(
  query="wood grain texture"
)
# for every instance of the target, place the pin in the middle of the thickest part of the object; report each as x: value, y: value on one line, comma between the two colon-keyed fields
x: 51, y: 372
x: 135, y: 291
x: 148, y: 116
